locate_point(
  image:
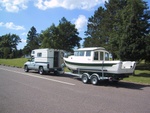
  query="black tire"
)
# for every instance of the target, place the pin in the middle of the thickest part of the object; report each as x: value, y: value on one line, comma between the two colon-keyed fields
x: 41, y: 70
x: 26, y: 68
x: 94, y: 80
x: 85, y: 79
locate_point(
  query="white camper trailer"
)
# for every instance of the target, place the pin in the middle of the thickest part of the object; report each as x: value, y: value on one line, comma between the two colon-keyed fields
x: 45, y: 60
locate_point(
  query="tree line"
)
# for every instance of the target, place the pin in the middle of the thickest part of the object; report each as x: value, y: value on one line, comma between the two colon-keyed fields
x: 122, y: 27
x: 8, y: 46
x: 64, y: 36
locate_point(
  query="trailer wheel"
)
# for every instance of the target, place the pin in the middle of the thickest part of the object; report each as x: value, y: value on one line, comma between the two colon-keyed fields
x: 94, y: 80
x: 85, y: 79
x: 26, y: 68
x: 41, y: 70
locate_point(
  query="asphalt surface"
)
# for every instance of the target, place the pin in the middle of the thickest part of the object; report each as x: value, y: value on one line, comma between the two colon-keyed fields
x: 30, y: 92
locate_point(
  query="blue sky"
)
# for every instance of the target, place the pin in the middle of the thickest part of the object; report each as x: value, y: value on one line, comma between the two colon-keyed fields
x: 18, y: 16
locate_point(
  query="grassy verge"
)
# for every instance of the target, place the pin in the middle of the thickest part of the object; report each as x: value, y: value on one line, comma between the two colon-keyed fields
x: 18, y: 62
x: 141, y: 76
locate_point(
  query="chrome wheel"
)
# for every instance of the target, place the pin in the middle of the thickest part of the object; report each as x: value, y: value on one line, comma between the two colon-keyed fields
x: 94, y: 80
x: 41, y: 70
x: 85, y: 79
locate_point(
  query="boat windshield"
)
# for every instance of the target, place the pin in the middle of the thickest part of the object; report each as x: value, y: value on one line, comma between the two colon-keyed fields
x: 79, y: 53
x: 82, y: 53
x: 101, y: 55
x: 88, y: 53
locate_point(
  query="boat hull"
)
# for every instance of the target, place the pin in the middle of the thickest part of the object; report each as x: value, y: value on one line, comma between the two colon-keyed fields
x: 110, y: 67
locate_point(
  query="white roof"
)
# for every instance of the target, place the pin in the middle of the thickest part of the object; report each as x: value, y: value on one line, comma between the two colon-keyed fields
x: 43, y: 49
x: 90, y: 48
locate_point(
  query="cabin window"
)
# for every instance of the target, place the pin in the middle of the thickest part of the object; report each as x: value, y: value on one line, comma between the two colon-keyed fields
x: 39, y: 54
x: 106, y: 56
x: 88, y: 53
x: 75, y: 53
x: 95, y: 55
x: 101, y: 56
x: 81, y: 53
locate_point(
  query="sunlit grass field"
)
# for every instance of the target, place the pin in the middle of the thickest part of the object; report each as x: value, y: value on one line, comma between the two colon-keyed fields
x: 18, y: 62
x: 140, y: 76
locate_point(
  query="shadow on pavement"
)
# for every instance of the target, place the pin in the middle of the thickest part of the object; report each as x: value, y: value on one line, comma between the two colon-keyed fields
x: 106, y: 83
x: 122, y: 84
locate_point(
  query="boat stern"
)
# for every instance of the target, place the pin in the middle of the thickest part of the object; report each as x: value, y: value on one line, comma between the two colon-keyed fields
x: 127, y: 67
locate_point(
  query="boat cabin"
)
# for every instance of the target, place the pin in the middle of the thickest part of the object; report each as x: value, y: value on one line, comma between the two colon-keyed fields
x: 96, y: 53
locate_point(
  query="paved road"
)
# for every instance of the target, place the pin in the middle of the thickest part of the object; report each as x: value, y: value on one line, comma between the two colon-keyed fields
x: 22, y: 92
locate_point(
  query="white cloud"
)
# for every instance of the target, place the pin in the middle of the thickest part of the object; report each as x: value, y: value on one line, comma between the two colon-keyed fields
x: 11, y: 25
x: 24, y: 34
x: 23, y: 40
x: 13, y: 5
x: 81, y: 22
x: 68, y: 4
x: 17, y: 5
x: 1, y: 23
x: 21, y: 44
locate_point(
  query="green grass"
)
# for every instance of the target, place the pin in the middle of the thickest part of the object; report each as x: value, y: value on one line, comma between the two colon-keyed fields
x: 18, y: 62
x: 141, y: 76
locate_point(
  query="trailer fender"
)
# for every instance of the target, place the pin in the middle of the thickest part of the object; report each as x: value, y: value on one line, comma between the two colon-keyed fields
x: 95, y: 74
x: 86, y: 74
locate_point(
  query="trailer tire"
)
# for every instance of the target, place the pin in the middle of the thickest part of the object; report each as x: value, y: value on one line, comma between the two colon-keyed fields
x: 41, y: 70
x: 94, y: 80
x: 26, y: 68
x: 85, y: 79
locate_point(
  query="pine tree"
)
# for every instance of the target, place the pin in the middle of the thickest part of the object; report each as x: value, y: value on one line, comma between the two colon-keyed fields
x: 135, y: 23
x: 32, y: 39
x: 95, y: 32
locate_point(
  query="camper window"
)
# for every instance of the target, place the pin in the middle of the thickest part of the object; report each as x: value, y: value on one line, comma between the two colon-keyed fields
x: 33, y: 52
x: 88, y: 53
x: 39, y: 54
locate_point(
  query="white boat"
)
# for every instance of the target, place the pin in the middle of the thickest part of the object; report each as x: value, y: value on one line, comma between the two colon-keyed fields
x: 97, y: 60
